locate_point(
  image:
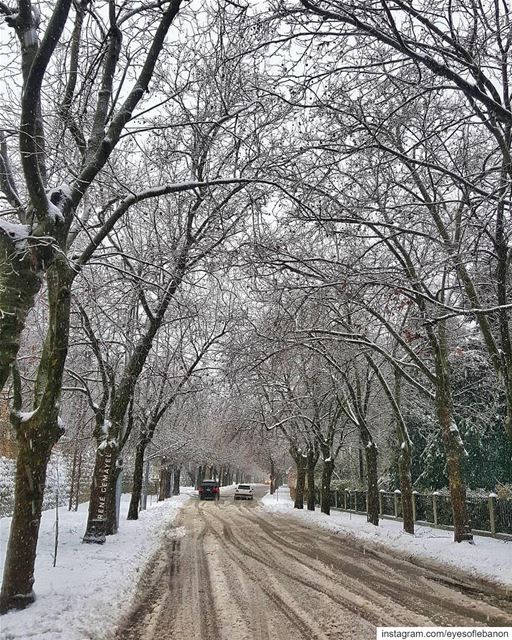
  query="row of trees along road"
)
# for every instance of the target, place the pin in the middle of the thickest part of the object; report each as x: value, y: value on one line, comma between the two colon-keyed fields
x: 347, y: 165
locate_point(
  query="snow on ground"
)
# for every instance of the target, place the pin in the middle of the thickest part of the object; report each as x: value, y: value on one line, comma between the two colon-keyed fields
x: 488, y: 557
x: 83, y: 597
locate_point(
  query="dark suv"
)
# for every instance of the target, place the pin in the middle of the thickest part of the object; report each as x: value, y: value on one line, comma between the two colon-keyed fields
x: 209, y: 490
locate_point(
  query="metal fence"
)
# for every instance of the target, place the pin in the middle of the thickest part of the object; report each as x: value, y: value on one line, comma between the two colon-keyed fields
x: 487, y: 514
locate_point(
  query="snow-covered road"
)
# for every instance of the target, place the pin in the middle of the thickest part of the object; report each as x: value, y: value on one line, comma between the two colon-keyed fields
x: 230, y: 570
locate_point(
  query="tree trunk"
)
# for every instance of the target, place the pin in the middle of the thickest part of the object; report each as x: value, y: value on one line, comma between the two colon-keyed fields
x: 404, y: 463
x: 452, y: 442
x: 36, y: 437
x: 272, y: 477
x: 138, y: 474
x: 168, y: 482
x: 325, y: 492
x: 454, y: 452
x: 102, y: 504
x: 31, y: 464
x: 372, y: 483
x: 299, y: 489
x: 300, y: 463
x: 312, y: 459
x: 118, y: 492
x: 361, y: 465
x: 19, y: 284
x: 176, y: 481
x: 163, y: 484
x: 404, y: 467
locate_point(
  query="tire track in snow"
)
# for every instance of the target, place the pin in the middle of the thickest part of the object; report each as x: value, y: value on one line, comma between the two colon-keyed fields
x: 242, y: 574
x: 433, y: 595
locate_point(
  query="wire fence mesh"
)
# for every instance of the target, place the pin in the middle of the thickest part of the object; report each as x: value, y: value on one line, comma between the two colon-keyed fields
x: 504, y: 516
x: 444, y: 510
x: 479, y: 513
x: 388, y: 504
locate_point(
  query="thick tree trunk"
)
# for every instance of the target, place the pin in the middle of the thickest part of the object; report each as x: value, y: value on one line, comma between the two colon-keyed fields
x: 300, y: 464
x: 361, y: 465
x: 325, y: 490
x: 102, y: 504
x: 168, y: 483
x: 32, y: 460
x: 138, y: 476
x: 312, y: 459
x: 176, y: 481
x: 19, y: 284
x: 163, y: 484
x: 299, y: 488
x: 36, y: 437
x: 452, y: 442
x: 454, y: 452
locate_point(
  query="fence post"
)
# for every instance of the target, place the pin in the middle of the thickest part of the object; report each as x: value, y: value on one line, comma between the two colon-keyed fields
x: 345, y: 500
x: 414, y: 494
x: 434, y: 505
x: 492, y: 513
x: 381, y: 510
x: 335, y: 498
x: 396, y: 496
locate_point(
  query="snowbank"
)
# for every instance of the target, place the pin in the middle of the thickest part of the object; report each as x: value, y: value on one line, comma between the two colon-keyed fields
x: 487, y: 558
x: 85, y: 594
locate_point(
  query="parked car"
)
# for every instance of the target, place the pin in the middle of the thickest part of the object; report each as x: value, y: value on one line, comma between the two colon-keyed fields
x: 209, y: 490
x: 244, y: 492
